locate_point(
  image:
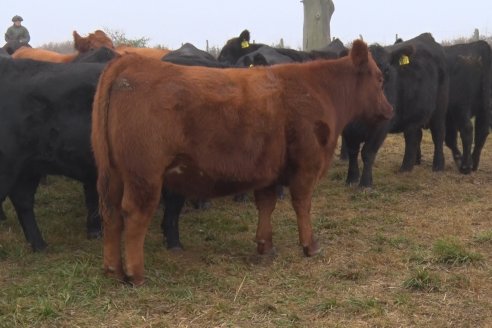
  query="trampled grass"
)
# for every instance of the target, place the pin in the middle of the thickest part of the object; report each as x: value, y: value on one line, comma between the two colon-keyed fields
x: 415, y: 251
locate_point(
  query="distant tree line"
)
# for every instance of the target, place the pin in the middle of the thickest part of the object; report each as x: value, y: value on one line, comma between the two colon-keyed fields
x: 118, y: 37
x: 474, y: 37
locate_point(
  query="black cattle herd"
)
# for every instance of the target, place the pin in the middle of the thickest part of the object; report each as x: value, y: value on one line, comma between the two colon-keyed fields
x: 45, y: 115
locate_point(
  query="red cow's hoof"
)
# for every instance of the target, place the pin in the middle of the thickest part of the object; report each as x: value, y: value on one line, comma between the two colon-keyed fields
x: 312, y: 249
x: 114, y: 274
x: 135, y: 281
x: 265, y: 247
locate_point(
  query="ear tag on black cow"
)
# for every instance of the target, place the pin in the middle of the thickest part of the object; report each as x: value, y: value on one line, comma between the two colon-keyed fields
x: 245, y: 44
x: 251, y: 65
x: 404, y: 60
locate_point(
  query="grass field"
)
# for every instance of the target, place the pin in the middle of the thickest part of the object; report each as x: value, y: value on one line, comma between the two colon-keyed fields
x: 416, y: 251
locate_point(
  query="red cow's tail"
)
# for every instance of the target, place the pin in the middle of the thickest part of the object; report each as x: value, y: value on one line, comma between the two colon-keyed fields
x: 100, y: 136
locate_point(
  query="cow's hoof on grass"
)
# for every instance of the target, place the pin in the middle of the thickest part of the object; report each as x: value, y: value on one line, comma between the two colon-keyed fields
x: 465, y: 169
x: 175, y: 249
x: 115, y: 274
x: 264, y: 259
x: 312, y: 249
x: 135, y: 281
x: 39, y: 246
x: 264, y: 247
x: 94, y: 235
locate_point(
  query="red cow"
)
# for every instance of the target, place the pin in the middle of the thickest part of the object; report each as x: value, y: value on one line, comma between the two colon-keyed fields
x: 82, y: 45
x: 210, y: 132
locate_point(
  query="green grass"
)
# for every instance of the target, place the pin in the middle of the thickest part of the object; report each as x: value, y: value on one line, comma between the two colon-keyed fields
x: 484, y: 237
x: 450, y: 251
x: 423, y: 280
x: 371, y: 306
x: 326, y: 307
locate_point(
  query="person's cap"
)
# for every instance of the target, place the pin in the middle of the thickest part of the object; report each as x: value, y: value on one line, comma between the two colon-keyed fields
x: 17, y: 18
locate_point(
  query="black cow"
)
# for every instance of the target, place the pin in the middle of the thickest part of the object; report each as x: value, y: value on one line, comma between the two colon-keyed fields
x: 51, y: 105
x: 334, y: 49
x: 469, y: 96
x: 417, y: 85
x: 238, y: 47
x: 189, y: 55
x: 97, y: 55
x: 372, y: 137
x: 263, y: 56
x: 422, y: 98
x: 45, y: 113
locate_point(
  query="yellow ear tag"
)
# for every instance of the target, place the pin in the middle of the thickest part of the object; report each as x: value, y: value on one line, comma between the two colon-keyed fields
x: 245, y: 44
x: 404, y: 60
x: 251, y: 65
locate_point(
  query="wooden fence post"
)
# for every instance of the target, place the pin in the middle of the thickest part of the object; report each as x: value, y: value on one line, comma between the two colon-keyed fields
x: 317, y: 16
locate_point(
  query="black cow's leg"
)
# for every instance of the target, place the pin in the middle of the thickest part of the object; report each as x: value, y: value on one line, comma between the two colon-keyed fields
x: 451, y: 140
x: 173, y: 203
x: 438, y: 132
x: 344, y: 155
x: 466, y: 133
x: 353, y: 173
x: 418, y: 158
x: 279, y: 190
x: 22, y: 197
x: 201, y: 204
x: 412, y: 144
x: 482, y: 122
x: 93, y: 223
x: 6, y: 183
x: 369, y: 152
x: 240, y: 198
x: 3, y: 217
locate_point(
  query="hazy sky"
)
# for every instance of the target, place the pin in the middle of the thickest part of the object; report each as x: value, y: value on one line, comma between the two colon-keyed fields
x: 172, y: 23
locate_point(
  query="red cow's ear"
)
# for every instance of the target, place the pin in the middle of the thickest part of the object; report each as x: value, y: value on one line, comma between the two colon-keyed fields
x: 359, y: 53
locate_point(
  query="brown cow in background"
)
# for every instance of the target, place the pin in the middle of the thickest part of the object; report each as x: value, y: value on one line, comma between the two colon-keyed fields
x: 95, y: 40
x: 155, y: 53
x: 208, y: 132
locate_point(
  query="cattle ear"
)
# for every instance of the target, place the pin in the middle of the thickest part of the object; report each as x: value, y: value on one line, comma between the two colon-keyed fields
x: 260, y: 60
x: 244, y: 36
x: 401, y: 56
x: 78, y: 41
x: 359, y: 53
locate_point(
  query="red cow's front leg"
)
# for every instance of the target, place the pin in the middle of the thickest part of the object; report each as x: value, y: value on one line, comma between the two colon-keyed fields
x: 301, y: 193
